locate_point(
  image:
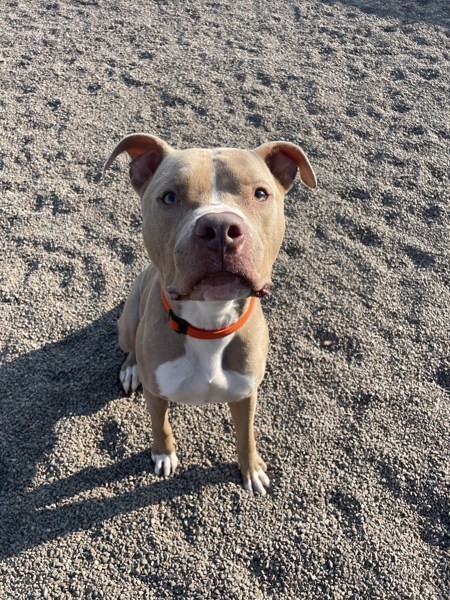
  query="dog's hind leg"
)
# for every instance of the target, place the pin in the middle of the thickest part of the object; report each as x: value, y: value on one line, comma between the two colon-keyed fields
x: 127, y: 326
x: 129, y: 374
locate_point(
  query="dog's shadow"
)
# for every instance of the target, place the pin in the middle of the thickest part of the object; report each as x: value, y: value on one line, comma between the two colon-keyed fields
x: 75, y: 376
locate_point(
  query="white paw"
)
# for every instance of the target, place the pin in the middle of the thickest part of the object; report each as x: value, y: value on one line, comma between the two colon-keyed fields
x: 165, y: 464
x: 130, y: 377
x: 257, y: 482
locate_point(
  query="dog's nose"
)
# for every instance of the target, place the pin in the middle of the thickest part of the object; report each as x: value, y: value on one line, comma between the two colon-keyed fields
x: 221, y: 232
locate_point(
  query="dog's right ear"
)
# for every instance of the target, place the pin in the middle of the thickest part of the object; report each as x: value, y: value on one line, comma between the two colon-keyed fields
x: 146, y: 153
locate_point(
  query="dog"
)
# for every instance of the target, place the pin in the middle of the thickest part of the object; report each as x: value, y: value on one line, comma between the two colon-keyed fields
x: 193, y: 327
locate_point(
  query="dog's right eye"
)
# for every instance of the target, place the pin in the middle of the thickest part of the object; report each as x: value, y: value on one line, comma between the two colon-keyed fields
x: 169, y: 198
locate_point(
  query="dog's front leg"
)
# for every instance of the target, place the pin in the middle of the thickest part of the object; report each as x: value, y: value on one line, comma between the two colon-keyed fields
x: 163, y: 447
x: 252, y: 466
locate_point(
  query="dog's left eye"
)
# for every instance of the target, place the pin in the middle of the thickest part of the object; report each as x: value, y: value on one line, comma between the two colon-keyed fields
x: 169, y: 198
x: 261, y: 194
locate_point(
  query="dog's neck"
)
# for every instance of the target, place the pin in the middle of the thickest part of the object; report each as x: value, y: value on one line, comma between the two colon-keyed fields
x: 209, y: 314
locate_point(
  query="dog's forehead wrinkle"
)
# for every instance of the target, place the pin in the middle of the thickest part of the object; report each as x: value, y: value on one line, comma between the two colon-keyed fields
x: 226, y: 176
x: 236, y: 169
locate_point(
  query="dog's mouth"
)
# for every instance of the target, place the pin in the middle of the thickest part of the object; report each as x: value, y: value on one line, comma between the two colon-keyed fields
x: 221, y: 286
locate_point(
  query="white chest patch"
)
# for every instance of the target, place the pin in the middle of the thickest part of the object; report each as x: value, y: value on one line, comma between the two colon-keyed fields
x: 198, y: 377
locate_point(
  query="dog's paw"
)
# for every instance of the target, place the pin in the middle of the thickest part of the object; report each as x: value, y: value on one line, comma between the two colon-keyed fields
x: 254, y: 476
x: 129, y: 378
x: 165, y: 464
x: 257, y: 482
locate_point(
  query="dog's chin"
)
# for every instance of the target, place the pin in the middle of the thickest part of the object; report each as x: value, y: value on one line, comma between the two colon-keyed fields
x: 220, y: 287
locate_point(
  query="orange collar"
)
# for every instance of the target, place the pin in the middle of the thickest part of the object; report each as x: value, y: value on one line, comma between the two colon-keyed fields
x: 182, y: 326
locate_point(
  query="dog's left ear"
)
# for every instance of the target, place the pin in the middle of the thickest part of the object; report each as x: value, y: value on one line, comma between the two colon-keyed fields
x: 284, y: 160
x: 146, y: 153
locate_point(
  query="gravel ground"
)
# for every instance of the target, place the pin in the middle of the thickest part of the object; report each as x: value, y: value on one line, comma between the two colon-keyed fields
x: 353, y: 416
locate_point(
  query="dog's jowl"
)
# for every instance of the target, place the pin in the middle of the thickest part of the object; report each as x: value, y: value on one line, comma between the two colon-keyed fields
x: 193, y: 327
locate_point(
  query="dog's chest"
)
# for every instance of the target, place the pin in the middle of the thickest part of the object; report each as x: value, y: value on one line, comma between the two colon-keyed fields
x: 198, y: 377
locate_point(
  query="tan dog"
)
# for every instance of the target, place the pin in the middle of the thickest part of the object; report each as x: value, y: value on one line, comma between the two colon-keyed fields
x: 213, y: 224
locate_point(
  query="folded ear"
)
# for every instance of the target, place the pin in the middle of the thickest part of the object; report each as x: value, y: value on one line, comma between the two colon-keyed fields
x: 146, y: 153
x: 284, y: 159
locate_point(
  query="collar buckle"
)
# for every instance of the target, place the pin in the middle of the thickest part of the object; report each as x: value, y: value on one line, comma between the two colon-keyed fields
x: 182, y: 325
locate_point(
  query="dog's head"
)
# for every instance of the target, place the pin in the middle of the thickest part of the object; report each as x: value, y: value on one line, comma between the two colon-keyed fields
x: 213, y: 219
